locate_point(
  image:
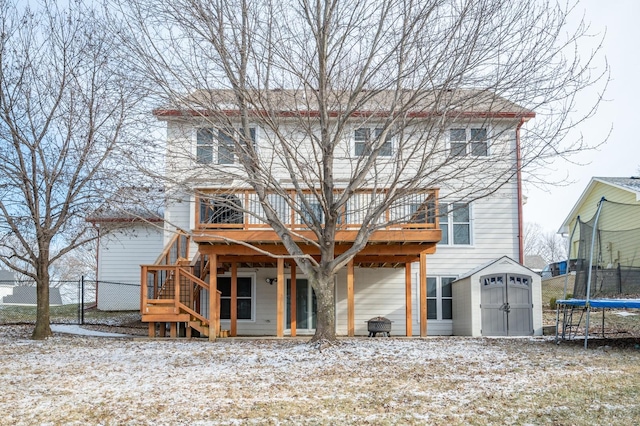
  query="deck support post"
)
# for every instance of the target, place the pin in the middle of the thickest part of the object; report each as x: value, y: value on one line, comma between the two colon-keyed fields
x: 407, y: 296
x: 233, y: 329
x: 280, y: 300
x: 351, y: 305
x: 213, y: 290
x: 293, y: 313
x: 423, y: 295
x: 350, y: 300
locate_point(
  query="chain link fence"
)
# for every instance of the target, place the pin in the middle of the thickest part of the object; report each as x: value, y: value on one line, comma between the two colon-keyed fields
x: 73, y: 302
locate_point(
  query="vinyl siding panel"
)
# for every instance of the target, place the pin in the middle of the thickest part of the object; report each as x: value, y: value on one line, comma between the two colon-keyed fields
x: 494, y: 223
x: 121, y: 254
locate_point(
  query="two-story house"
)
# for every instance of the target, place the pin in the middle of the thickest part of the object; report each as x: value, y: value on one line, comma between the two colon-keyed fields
x: 217, y: 235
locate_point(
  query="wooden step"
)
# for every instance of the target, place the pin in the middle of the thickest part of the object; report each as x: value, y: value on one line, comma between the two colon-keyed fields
x: 166, y: 318
x: 160, y: 310
x: 160, y: 302
x: 202, y: 328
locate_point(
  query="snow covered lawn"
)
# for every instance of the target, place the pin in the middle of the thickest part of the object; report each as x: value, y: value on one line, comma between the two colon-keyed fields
x: 96, y: 380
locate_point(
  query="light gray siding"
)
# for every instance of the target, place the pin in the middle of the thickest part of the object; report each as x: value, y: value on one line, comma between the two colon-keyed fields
x: 121, y: 254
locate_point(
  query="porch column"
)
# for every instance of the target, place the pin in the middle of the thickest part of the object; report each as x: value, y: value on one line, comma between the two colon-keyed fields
x: 350, y: 300
x: 292, y: 297
x: 280, y: 300
x: 233, y: 329
x: 423, y: 295
x: 213, y: 290
x: 407, y: 292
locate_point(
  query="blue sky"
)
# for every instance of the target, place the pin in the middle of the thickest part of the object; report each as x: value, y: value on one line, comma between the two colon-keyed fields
x: 620, y: 156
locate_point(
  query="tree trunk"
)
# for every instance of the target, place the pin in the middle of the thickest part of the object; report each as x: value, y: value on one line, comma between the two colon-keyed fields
x: 326, y: 317
x: 43, y: 328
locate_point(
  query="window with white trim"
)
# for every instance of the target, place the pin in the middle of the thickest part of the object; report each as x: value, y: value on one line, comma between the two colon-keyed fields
x: 224, y: 142
x: 244, y: 297
x: 365, y: 136
x: 471, y: 141
x: 204, y: 146
x: 440, y: 298
x: 455, y: 223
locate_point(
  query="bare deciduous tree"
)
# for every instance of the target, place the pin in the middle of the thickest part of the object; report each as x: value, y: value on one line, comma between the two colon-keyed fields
x: 63, y: 107
x: 550, y: 246
x: 310, y: 72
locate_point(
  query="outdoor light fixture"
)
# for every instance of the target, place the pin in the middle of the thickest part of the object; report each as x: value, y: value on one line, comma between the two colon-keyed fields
x: 270, y: 281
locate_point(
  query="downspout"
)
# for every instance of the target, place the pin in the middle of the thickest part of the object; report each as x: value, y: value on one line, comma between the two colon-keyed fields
x: 97, y: 228
x: 519, y: 186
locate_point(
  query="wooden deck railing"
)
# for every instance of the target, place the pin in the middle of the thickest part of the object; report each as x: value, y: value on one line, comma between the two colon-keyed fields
x: 170, y: 292
x: 177, y: 248
x: 173, y: 289
x: 241, y: 209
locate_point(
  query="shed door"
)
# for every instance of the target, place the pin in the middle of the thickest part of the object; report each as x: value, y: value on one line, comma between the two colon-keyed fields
x: 520, y: 315
x: 493, y: 298
x: 506, y: 305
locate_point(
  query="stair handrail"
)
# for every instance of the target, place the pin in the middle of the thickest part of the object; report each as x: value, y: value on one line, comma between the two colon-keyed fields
x: 164, y: 258
x: 213, y: 321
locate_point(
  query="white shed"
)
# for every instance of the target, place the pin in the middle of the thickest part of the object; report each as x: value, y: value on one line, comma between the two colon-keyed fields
x: 499, y: 298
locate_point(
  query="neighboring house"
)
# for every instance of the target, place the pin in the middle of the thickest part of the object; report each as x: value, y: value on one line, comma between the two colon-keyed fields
x: 129, y: 235
x: 535, y: 262
x: 415, y: 292
x: 624, y: 190
x: 612, y: 259
x: 25, y: 295
x: 7, y: 282
x: 14, y: 293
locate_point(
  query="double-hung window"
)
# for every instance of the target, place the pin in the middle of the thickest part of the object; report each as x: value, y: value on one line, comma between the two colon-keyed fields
x: 224, y: 141
x: 440, y: 298
x: 455, y: 223
x: 204, y: 148
x: 364, y: 137
x: 471, y: 141
x: 225, y: 146
x: 244, y: 297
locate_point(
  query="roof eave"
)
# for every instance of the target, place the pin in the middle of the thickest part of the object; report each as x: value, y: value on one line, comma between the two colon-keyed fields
x: 161, y: 113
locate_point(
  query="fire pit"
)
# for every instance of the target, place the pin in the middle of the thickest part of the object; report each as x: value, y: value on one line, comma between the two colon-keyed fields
x: 379, y: 325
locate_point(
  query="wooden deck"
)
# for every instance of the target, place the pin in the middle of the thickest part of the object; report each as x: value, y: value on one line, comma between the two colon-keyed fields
x: 174, y: 290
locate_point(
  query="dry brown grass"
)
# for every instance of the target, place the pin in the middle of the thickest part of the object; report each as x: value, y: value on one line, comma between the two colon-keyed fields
x: 84, y: 380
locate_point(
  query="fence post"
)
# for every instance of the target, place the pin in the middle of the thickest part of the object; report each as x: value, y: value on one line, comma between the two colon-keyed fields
x: 82, y: 300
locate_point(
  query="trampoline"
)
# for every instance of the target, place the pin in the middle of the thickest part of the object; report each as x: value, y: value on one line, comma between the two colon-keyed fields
x: 603, y: 303
x: 607, y: 266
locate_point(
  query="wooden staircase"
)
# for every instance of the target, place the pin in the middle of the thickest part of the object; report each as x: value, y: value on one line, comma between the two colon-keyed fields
x: 171, y: 294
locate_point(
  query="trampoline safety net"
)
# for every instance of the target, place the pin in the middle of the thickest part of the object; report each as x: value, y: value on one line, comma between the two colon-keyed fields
x: 614, y: 251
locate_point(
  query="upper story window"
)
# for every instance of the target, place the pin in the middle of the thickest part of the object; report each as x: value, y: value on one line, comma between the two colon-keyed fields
x: 204, y: 148
x: 222, y: 144
x: 365, y: 136
x: 455, y: 223
x: 468, y: 142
